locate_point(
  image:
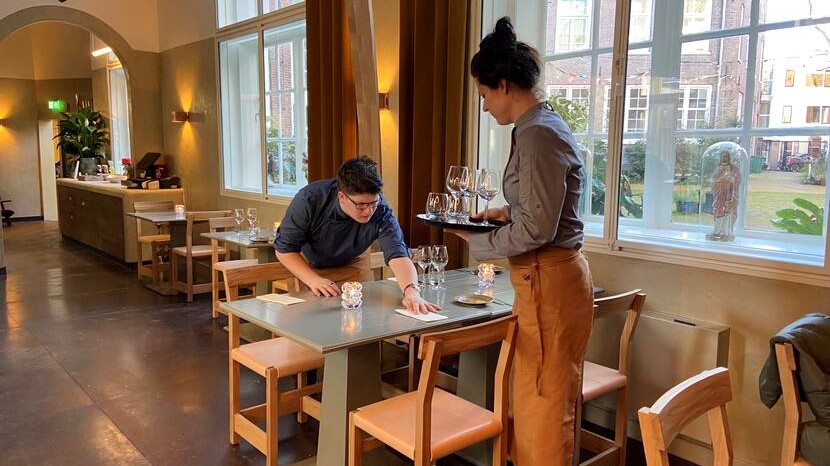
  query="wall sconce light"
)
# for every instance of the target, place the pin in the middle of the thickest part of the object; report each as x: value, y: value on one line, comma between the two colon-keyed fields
x: 101, y: 51
x: 383, y: 101
x: 179, y: 116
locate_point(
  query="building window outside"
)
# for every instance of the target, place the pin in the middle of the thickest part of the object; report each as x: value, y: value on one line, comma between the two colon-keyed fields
x: 636, y: 109
x: 694, y: 107
x: 262, y: 74
x: 572, y: 25
x: 787, y: 115
x: 790, y: 78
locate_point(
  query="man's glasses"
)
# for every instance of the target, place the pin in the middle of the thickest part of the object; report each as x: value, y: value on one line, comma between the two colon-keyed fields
x: 363, y: 205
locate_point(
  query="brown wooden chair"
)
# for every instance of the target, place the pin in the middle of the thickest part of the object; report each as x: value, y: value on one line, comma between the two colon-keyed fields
x: 785, y: 356
x: 271, y: 359
x: 706, y: 393
x: 218, y: 267
x: 158, y: 243
x: 444, y: 423
x: 598, y: 380
x: 191, y: 253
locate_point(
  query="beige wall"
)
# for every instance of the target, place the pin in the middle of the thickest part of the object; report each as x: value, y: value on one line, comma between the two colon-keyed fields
x: 144, y: 77
x: 48, y: 50
x: 183, y: 22
x: 754, y: 309
x: 387, y: 49
x: 19, y: 163
x: 62, y: 89
x: 136, y: 21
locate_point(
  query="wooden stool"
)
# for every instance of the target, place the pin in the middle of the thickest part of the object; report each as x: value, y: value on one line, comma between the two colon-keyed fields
x: 191, y: 253
x: 271, y: 359
x: 444, y: 423
x: 158, y: 242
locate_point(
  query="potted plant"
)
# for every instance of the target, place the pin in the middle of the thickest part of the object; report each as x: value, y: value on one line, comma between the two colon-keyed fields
x: 83, y: 136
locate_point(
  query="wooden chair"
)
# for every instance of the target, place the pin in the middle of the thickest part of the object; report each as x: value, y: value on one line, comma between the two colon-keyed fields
x: 158, y: 242
x: 598, y: 380
x: 218, y: 267
x: 6, y: 213
x: 706, y: 393
x: 787, y: 367
x: 271, y: 359
x: 444, y: 423
x: 191, y: 253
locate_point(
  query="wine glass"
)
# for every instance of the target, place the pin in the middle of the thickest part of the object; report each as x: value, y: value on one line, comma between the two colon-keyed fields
x: 470, y: 192
x: 438, y: 260
x: 457, y: 180
x: 437, y: 205
x: 423, y: 257
x: 252, y: 217
x: 238, y: 217
x: 459, y: 208
x: 488, y: 188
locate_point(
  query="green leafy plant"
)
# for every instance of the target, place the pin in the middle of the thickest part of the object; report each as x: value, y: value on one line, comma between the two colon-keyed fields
x: 83, y: 134
x: 809, y: 221
x: 574, y: 114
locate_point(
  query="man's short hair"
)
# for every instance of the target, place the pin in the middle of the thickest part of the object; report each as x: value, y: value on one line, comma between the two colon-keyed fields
x: 359, y: 175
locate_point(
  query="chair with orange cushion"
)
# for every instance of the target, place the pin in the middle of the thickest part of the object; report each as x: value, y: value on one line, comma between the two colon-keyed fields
x: 158, y: 242
x: 443, y: 423
x: 272, y: 359
x: 218, y: 267
x: 191, y: 253
x: 598, y: 380
x: 706, y: 393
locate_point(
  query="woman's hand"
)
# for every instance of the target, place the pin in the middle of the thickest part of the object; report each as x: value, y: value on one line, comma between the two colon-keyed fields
x: 322, y: 286
x: 413, y: 302
x: 501, y: 214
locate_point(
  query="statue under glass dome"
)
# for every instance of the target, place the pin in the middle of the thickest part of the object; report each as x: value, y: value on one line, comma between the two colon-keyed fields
x: 725, y: 162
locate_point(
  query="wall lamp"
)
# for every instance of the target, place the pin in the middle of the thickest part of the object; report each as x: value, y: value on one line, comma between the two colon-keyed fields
x: 383, y: 101
x: 101, y: 51
x: 179, y: 116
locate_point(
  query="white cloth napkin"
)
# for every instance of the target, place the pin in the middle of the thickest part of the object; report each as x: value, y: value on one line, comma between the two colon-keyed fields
x: 283, y: 299
x: 428, y: 317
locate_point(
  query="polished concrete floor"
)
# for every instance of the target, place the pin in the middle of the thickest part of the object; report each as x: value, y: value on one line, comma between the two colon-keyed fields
x: 96, y: 369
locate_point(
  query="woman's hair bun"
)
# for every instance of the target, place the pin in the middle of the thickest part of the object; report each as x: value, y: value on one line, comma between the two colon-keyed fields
x: 502, y: 35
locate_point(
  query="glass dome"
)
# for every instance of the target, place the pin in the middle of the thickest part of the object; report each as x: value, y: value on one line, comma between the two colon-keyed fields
x: 723, y: 152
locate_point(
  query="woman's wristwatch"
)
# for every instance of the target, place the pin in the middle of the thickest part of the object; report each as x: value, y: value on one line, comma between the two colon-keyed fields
x: 412, y: 285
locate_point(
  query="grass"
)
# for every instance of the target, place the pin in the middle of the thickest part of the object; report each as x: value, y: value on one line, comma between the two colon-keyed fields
x: 767, y: 193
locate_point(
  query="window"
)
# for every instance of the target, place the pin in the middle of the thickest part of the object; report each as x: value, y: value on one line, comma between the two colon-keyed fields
x: 119, y: 116
x: 727, y: 75
x: 263, y: 103
x: 790, y: 78
x: 572, y: 25
x: 576, y: 94
x: 274, y: 5
x: 233, y: 11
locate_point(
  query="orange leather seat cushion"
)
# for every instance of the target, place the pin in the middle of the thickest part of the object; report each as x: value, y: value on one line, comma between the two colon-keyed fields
x: 456, y: 423
x: 598, y: 380
x: 198, y: 251
x: 287, y: 356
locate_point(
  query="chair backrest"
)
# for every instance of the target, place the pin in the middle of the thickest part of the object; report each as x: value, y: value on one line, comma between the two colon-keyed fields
x: 376, y: 264
x: 201, y: 216
x: 785, y: 356
x: 631, y: 303
x: 707, y: 392
x: 151, y: 206
x: 241, y: 276
x: 218, y: 224
x: 434, y: 346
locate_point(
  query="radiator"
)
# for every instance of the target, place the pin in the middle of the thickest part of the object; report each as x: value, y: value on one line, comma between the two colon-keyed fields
x: 665, y: 351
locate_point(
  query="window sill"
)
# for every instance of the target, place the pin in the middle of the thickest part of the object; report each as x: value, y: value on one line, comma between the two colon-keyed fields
x: 272, y: 199
x: 775, y: 260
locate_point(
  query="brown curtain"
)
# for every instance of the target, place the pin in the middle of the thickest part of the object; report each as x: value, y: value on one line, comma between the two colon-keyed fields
x: 332, y: 107
x: 434, y: 57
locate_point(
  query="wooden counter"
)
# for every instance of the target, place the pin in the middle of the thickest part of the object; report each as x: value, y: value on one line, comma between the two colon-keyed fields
x: 94, y: 213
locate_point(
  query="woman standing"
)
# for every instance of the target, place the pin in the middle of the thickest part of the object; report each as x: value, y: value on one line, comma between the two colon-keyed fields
x: 543, y: 239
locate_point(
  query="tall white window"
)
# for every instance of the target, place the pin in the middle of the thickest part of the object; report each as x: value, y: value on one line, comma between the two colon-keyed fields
x: 262, y: 72
x: 119, y: 116
x: 694, y: 107
x: 573, y: 24
x: 636, y: 109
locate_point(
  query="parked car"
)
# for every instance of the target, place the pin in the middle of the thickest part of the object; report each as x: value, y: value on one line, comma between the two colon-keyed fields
x: 795, y: 163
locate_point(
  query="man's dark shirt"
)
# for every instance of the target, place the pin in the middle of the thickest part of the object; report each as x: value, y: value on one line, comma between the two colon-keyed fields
x: 315, y: 225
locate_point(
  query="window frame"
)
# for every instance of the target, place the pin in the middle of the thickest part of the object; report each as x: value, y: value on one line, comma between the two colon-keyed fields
x: 258, y: 25
x: 757, y: 262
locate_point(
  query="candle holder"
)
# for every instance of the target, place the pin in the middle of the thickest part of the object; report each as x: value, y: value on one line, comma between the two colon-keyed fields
x: 352, y: 295
x: 179, y: 209
x: 486, y: 275
x: 351, y: 320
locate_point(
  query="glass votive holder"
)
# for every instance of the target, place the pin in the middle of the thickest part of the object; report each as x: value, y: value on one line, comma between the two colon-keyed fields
x: 486, y: 274
x: 352, y: 295
x: 179, y: 209
x: 351, y: 320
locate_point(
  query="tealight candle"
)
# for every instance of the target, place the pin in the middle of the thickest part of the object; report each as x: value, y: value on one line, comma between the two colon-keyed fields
x: 352, y: 295
x: 486, y: 274
x: 179, y: 210
x: 351, y: 320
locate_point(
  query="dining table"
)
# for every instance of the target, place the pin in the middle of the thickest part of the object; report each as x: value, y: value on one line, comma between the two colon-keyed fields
x: 349, y: 340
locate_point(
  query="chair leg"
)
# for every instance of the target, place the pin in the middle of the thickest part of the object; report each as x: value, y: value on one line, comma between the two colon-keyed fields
x: 233, y: 398
x: 301, y: 383
x: 139, y: 259
x: 500, y: 448
x: 214, y: 292
x: 156, y: 267
x: 620, y: 431
x: 271, y: 416
x: 355, y: 443
x: 414, y: 369
x: 174, y: 271
x: 577, y: 429
x: 189, y: 264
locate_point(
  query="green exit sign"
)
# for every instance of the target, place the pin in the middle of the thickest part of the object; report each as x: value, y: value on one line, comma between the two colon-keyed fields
x: 57, y: 105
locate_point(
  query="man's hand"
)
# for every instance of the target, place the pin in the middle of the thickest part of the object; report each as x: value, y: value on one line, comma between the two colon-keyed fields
x: 413, y: 302
x: 322, y: 286
x: 494, y: 213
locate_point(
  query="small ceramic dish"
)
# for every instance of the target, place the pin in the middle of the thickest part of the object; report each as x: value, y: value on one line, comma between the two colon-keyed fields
x: 473, y: 300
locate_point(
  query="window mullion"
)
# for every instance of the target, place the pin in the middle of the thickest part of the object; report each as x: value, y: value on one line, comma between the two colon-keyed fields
x: 263, y: 143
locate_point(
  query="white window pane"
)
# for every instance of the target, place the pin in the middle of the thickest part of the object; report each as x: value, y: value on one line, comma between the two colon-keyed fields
x: 239, y: 82
x: 640, y: 22
x: 273, y: 5
x: 572, y: 25
x: 773, y: 11
x: 285, y: 123
x: 233, y: 11
x: 119, y: 118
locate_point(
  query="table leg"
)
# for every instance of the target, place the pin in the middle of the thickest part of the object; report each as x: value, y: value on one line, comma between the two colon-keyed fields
x: 351, y: 380
x: 178, y: 237
x: 476, y: 374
